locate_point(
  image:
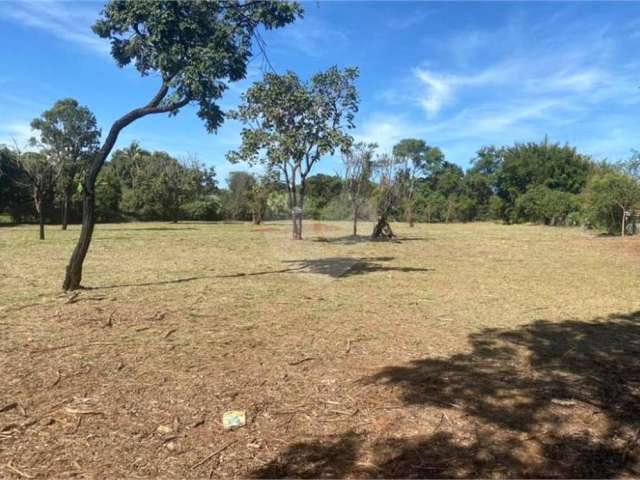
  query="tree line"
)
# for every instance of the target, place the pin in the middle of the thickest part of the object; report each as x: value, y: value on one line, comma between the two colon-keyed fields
x: 543, y: 182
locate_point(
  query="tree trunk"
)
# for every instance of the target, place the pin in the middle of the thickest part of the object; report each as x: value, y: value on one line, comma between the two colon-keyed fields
x: 41, y: 217
x: 355, y: 220
x: 297, y: 212
x: 623, y: 222
x: 73, y: 276
x: 296, y: 216
x: 382, y: 229
x: 65, y: 209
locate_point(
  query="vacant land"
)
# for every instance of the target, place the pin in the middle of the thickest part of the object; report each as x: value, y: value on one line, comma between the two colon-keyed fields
x: 459, y: 350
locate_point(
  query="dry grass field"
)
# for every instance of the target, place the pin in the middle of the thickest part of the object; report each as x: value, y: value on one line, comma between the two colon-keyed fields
x: 475, y: 350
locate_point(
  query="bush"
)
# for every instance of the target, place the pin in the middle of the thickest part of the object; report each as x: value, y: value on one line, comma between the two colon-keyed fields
x: 204, y: 209
x: 543, y: 205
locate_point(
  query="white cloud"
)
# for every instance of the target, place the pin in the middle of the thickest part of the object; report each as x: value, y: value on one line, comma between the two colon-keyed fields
x: 310, y: 36
x: 439, y: 90
x: 71, y: 24
x: 15, y: 132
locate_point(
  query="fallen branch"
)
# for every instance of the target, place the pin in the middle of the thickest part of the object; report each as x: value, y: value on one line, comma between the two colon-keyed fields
x: 209, y: 457
x: 9, y: 406
x: 298, y: 362
x: 57, y: 380
x: 78, y: 411
x: 109, y: 322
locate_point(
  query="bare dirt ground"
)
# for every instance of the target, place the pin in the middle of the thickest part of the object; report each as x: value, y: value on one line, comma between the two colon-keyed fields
x: 474, y: 350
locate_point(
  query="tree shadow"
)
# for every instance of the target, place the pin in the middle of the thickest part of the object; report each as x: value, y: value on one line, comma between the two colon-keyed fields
x: 330, y: 457
x: 334, y: 267
x: 341, y: 267
x: 152, y: 229
x: 549, y: 399
x: 352, y: 240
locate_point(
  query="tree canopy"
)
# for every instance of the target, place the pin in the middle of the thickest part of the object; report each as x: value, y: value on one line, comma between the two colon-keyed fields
x: 290, y: 125
x: 70, y: 135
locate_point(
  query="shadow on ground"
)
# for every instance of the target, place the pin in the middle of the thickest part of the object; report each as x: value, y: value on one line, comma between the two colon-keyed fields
x: 551, y: 400
x: 334, y: 267
x: 341, y: 267
x: 152, y: 229
x: 351, y: 240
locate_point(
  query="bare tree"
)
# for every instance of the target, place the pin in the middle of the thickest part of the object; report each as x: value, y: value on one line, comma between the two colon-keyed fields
x: 42, y: 173
x: 358, y: 166
x: 387, y: 170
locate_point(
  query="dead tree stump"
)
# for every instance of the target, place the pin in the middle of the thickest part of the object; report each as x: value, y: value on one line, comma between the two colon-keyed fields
x: 382, y: 230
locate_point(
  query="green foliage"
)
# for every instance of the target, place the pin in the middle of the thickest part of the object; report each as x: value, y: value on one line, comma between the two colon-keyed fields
x: 196, y: 47
x: 607, y: 196
x: 419, y: 161
x: 69, y: 134
x: 290, y: 125
x: 541, y: 204
x: 237, y: 199
x: 545, y: 164
x: 108, y: 194
x: 278, y: 206
x: 431, y: 206
x: 15, y: 195
x: 207, y: 208
x: 153, y: 186
x: 321, y: 191
x: 496, y: 207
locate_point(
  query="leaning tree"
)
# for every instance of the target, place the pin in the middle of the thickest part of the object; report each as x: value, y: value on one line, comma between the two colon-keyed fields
x: 291, y: 124
x: 358, y: 166
x: 68, y: 133
x: 195, y: 48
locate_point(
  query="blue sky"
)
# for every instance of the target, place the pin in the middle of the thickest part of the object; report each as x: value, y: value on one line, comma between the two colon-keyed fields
x: 459, y: 75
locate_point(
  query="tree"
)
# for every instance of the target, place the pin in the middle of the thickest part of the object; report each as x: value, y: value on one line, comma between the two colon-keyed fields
x: 259, y: 195
x: 290, y: 125
x: 195, y: 48
x: 15, y: 194
x: 543, y: 205
x: 419, y: 159
x: 41, y: 171
x: 608, y: 195
x: 238, y: 199
x: 387, y: 170
x: 539, y: 164
x: 68, y: 132
x: 321, y: 190
x: 480, y: 180
x: 358, y: 166
x: 447, y: 179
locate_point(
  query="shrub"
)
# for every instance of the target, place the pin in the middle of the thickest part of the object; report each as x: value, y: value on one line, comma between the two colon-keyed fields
x: 542, y: 205
x: 203, y: 209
